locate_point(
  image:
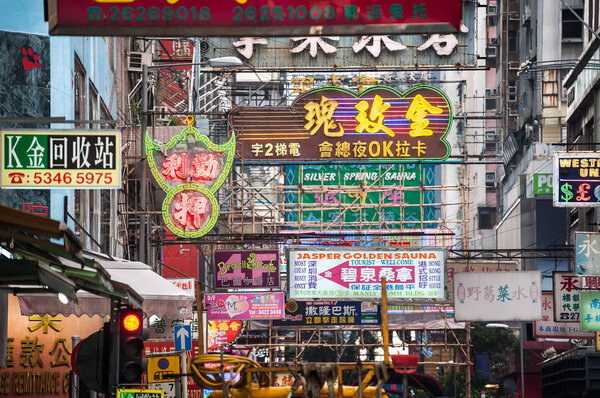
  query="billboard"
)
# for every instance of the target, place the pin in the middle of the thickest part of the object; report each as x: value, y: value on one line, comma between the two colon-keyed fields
x: 356, y: 273
x: 353, y: 196
x: 336, y: 124
x: 587, y: 253
x: 590, y: 310
x: 246, y: 269
x: 330, y: 313
x: 189, y: 169
x: 576, y: 179
x: 61, y: 159
x: 453, y: 266
x: 244, y: 306
x: 567, y: 287
x: 509, y: 296
x: 547, y: 327
x: 259, y: 17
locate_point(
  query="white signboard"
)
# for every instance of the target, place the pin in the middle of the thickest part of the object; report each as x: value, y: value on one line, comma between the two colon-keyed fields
x: 502, y: 296
x: 548, y: 328
x: 357, y: 273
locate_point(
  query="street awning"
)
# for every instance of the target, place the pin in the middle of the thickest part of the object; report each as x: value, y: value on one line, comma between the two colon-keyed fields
x: 158, y: 295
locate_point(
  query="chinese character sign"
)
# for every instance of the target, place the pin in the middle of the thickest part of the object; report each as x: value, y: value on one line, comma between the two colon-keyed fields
x: 244, y: 306
x: 587, y: 253
x: 455, y: 266
x: 315, y: 273
x: 576, y: 179
x: 330, y: 313
x: 567, y: 287
x: 190, y: 169
x: 542, y: 184
x: 246, y: 269
x: 61, y: 159
x: 223, y: 333
x: 352, y: 194
x: 236, y: 18
x: 503, y: 296
x: 547, y: 327
x: 334, y: 123
x: 590, y: 310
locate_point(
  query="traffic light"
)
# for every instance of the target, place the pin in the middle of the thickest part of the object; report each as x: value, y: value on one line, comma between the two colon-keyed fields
x: 90, y: 359
x: 131, y: 345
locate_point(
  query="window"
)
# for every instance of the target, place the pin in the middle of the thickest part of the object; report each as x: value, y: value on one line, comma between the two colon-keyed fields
x: 487, y: 217
x: 491, y: 10
x: 490, y: 103
x: 572, y: 28
x: 512, y: 41
x: 93, y: 105
x: 105, y: 115
x: 490, y: 180
x: 490, y: 136
x: 80, y: 92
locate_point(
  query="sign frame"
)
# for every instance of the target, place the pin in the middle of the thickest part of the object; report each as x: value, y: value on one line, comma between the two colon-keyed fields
x: 553, y: 324
x: 300, y: 308
x: 217, y: 305
x: 20, y: 177
x: 588, y: 192
x: 121, y: 393
x: 66, y: 19
x: 154, y: 368
x: 353, y: 254
x: 245, y: 260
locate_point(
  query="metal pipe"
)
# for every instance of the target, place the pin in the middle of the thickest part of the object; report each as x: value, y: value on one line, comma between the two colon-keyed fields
x: 384, y: 322
x: 143, y: 193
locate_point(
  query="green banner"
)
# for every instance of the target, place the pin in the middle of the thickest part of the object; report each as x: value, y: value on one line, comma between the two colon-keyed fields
x: 542, y: 184
x: 362, y: 196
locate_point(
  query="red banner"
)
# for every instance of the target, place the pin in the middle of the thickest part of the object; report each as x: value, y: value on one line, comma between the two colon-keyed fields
x: 254, y: 17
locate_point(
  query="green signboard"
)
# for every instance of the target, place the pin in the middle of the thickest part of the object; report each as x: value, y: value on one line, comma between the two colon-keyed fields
x: 589, y: 310
x: 362, y: 196
x: 542, y: 184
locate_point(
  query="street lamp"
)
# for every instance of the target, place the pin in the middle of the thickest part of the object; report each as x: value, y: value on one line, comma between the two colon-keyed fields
x: 520, y: 329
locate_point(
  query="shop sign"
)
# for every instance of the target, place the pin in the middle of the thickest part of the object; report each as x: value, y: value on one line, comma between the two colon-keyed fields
x: 38, y: 355
x: 190, y: 169
x: 587, y: 253
x: 82, y: 159
x: 336, y: 124
x: 509, y: 296
x: 590, y: 310
x: 244, y: 306
x: 246, y: 269
x: 576, y: 179
x: 548, y: 328
x: 351, y: 195
x: 339, y: 274
x: 223, y: 333
x: 542, y: 184
x: 138, y: 393
x: 455, y: 266
x: 236, y: 18
x: 330, y: 313
x: 567, y: 287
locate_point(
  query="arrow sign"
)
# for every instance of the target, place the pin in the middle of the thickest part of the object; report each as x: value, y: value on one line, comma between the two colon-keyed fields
x: 183, y: 337
x: 344, y: 274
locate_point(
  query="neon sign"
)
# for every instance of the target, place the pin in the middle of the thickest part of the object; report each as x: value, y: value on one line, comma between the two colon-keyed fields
x: 336, y: 124
x: 190, y: 170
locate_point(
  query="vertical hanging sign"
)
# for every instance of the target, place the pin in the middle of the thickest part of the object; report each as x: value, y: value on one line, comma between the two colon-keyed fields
x: 190, y: 170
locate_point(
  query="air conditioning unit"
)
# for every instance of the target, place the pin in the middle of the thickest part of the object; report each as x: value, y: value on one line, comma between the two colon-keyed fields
x: 512, y: 90
x: 136, y: 59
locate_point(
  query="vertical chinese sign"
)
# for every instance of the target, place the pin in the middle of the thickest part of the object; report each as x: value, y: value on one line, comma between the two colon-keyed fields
x: 547, y: 327
x: 247, y: 269
x: 509, y: 296
x: 61, y: 159
x: 587, y: 253
x: 190, y: 170
x: 590, y: 310
x: 336, y: 124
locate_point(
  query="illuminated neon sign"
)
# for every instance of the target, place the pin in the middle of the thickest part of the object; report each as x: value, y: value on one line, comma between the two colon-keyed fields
x: 190, y: 170
x: 336, y: 124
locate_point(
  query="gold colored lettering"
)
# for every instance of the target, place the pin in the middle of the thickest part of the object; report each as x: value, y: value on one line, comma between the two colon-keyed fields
x: 372, y: 153
x: 565, y: 162
x: 594, y: 172
x: 575, y: 163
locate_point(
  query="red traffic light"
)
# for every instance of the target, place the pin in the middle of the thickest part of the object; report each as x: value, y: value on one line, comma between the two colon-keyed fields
x: 131, y: 322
